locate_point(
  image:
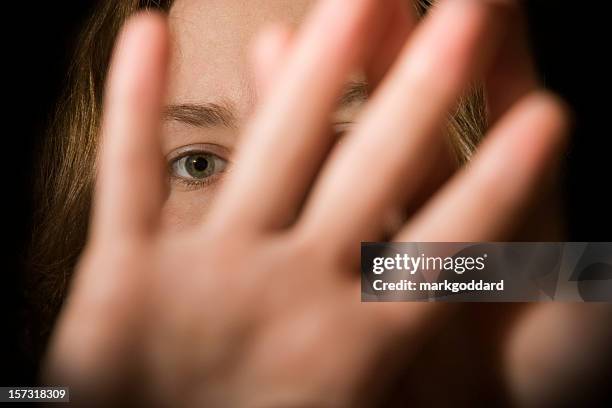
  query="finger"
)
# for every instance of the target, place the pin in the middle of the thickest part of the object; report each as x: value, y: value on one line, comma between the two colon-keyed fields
x: 126, y: 201
x: 399, y: 140
x: 485, y: 201
x: 130, y: 183
x: 270, y: 53
x: 290, y: 135
x: 513, y: 74
x: 401, y: 23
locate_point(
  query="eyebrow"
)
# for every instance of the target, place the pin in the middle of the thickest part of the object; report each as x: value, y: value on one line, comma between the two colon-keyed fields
x: 207, y: 115
x: 202, y: 114
x: 354, y: 92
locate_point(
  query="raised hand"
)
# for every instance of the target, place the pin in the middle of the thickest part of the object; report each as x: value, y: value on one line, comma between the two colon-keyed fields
x: 260, y: 305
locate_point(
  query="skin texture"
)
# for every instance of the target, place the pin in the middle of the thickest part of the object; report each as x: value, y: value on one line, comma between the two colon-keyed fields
x: 266, y: 310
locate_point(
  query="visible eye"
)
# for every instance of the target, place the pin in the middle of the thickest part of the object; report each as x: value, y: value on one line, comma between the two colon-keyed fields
x: 196, y: 167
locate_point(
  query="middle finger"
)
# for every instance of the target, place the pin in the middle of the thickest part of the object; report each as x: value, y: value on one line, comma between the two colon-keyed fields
x: 290, y: 135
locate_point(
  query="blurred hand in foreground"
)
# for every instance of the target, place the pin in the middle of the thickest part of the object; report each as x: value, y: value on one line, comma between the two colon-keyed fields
x: 260, y: 305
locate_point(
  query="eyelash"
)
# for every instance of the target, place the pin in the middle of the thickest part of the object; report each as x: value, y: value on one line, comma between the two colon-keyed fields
x: 195, y: 184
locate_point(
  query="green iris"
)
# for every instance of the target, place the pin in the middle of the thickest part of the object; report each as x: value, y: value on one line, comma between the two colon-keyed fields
x: 200, y: 166
x: 197, y: 166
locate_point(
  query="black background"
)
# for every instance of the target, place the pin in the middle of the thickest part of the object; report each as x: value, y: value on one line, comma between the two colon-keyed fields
x: 570, y: 40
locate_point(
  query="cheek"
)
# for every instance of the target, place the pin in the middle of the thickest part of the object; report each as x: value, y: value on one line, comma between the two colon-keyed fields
x: 186, y: 209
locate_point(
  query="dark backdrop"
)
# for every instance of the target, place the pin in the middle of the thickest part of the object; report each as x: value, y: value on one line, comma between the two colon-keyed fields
x: 570, y: 41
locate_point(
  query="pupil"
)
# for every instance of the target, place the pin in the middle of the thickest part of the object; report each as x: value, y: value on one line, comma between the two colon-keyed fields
x: 200, y: 164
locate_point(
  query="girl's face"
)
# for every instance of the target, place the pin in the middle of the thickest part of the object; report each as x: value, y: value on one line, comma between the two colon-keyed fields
x: 212, y: 92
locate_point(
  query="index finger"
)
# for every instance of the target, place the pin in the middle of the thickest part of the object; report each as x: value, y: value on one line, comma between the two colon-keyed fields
x: 130, y: 184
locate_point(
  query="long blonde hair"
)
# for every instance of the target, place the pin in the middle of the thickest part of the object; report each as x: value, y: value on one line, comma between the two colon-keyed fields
x: 67, y: 171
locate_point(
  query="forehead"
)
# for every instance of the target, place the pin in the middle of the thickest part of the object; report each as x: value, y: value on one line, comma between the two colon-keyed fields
x: 211, y: 42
